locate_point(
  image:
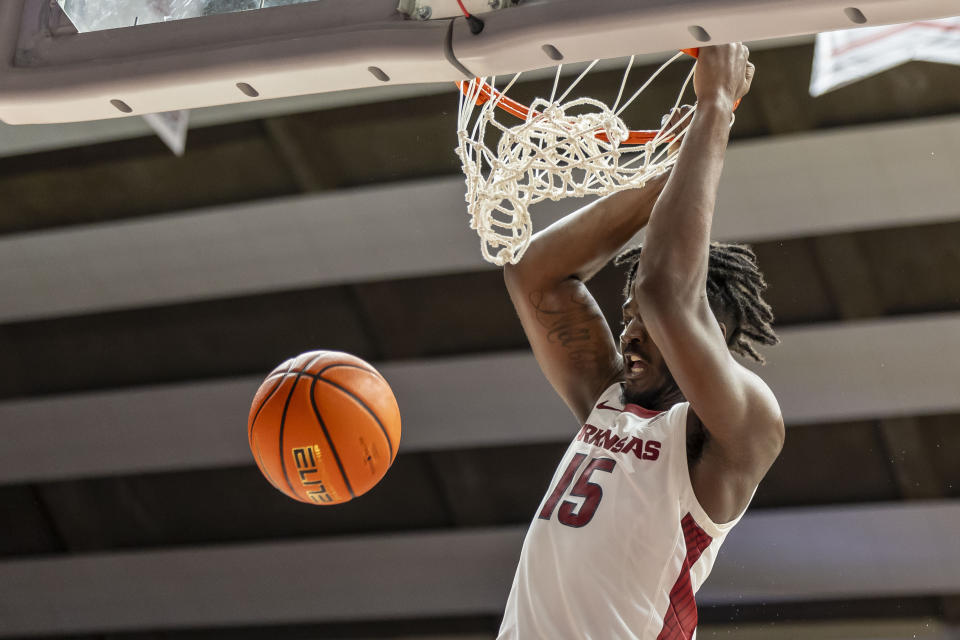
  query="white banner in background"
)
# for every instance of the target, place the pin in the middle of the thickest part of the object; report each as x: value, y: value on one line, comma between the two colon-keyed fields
x: 842, y: 57
x: 171, y: 126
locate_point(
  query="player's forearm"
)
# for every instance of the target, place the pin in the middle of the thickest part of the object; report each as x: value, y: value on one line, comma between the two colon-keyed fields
x: 676, y: 250
x: 581, y: 243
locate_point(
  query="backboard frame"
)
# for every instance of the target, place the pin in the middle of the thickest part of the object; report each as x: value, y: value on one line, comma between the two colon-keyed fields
x: 50, y: 75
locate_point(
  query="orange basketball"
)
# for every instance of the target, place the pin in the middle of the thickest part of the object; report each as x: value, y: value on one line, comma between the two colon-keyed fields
x: 324, y: 427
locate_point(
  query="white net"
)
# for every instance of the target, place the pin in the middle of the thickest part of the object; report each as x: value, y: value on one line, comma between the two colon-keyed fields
x: 558, y: 149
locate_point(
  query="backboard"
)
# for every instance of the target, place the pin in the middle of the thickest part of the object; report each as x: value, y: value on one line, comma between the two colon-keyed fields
x: 49, y: 73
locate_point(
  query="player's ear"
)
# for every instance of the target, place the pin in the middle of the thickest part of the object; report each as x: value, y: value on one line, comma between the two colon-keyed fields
x: 723, y: 330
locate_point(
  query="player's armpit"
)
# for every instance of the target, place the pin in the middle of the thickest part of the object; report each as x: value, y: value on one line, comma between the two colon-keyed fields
x: 570, y: 339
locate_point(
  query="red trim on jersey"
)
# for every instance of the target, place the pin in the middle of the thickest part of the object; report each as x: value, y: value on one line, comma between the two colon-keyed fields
x: 635, y: 409
x: 604, y: 405
x: 680, y: 620
x: 643, y: 412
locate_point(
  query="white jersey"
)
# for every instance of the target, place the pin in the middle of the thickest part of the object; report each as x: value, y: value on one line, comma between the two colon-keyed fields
x: 620, y: 544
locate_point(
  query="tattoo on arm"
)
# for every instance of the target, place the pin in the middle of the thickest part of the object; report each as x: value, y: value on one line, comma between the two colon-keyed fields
x: 572, y: 326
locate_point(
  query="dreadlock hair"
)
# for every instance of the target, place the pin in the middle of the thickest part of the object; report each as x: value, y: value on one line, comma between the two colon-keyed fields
x: 734, y: 292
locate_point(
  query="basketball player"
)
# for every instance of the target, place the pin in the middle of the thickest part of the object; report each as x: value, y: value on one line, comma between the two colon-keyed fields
x: 676, y: 434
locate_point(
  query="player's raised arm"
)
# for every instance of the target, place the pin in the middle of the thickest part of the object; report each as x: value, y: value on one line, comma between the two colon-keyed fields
x: 570, y: 337
x: 735, y: 406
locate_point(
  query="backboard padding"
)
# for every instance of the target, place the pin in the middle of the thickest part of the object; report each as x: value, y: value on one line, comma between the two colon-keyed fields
x: 47, y: 75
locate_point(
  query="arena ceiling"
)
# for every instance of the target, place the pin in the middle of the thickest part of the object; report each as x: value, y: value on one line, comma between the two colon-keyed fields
x: 143, y: 296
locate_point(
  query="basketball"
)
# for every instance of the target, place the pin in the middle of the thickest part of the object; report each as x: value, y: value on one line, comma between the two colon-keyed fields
x: 324, y: 427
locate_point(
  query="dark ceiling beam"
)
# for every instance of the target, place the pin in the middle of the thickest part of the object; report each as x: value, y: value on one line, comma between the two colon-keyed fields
x: 846, y: 271
x: 291, y: 151
x: 909, y: 456
x: 951, y: 609
x: 774, y: 92
x: 855, y: 629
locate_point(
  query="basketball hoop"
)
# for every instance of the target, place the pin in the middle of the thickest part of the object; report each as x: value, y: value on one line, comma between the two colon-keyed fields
x: 551, y: 153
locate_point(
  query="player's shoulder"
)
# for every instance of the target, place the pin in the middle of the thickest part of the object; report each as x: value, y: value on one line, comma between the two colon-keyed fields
x: 749, y: 447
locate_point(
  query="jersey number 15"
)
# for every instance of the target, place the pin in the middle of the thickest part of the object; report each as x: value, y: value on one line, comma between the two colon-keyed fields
x: 591, y: 492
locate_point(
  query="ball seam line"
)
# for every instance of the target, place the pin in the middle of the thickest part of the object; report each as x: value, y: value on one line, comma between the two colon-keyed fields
x: 326, y: 434
x: 320, y: 373
x: 283, y: 420
x: 265, y: 401
x: 350, y: 366
x: 364, y: 406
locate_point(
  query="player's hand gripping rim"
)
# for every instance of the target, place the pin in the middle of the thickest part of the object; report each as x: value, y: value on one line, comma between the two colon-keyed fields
x: 724, y: 74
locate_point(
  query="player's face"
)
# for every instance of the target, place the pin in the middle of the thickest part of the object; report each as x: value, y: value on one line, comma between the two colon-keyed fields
x: 647, y: 379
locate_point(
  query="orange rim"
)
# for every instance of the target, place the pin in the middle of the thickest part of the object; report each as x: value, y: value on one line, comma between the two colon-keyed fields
x: 514, y: 108
x: 522, y: 111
